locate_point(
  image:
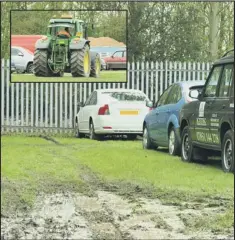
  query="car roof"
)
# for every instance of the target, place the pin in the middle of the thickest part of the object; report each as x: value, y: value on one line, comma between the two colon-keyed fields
x: 188, y: 84
x: 226, y: 59
x: 22, y: 49
x: 118, y: 90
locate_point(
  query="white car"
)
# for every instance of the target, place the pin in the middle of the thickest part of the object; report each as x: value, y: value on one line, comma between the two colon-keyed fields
x: 112, y: 112
x: 22, y: 58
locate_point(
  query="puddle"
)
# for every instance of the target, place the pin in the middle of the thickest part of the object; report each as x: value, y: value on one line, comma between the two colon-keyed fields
x: 105, y: 216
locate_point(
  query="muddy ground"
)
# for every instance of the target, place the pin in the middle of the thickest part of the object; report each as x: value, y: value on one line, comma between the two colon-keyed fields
x: 111, y: 211
x: 104, y: 216
x: 107, y: 214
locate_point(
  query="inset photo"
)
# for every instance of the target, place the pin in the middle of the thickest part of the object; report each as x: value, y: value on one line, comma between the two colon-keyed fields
x: 68, y: 46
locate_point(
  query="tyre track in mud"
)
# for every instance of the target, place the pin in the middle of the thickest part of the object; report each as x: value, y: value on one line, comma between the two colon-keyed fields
x: 104, y: 211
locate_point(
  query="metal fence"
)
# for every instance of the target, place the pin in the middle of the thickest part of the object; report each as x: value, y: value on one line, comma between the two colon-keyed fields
x: 51, y: 107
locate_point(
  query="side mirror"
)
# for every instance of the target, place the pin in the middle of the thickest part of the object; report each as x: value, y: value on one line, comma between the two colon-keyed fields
x: 194, y: 94
x: 20, y: 54
x: 149, y: 104
x: 92, y: 26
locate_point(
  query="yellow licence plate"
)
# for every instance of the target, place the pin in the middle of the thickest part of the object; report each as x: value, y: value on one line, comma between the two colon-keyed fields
x: 129, y: 112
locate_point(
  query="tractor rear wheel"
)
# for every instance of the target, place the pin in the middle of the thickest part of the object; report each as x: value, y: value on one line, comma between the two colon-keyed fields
x: 95, y: 66
x: 80, y: 62
x: 41, y: 68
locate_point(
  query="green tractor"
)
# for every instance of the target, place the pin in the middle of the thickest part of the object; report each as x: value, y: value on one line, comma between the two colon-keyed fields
x: 66, y: 48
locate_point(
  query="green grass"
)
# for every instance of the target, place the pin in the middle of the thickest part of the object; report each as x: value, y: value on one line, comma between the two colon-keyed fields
x: 32, y: 164
x: 122, y: 160
x: 105, y: 76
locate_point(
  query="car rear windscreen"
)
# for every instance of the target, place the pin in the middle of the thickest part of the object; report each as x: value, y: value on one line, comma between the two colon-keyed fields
x: 126, y: 96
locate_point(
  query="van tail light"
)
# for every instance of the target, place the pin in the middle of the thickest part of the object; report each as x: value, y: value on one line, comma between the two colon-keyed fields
x: 104, y: 110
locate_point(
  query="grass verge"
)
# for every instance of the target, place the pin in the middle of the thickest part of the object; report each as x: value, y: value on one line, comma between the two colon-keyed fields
x: 105, y: 76
x: 32, y: 164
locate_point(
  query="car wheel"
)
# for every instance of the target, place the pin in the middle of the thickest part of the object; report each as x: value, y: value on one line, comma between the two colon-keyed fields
x: 78, y: 133
x: 228, y: 152
x: 147, y: 143
x: 186, y: 146
x: 173, y: 144
x: 30, y: 68
x: 92, y: 134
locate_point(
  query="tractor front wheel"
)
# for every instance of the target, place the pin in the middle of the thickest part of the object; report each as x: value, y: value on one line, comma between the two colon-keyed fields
x: 80, y: 62
x: 41, y: 68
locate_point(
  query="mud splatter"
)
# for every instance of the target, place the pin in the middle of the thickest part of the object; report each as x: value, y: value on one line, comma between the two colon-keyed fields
x: 105, y: 215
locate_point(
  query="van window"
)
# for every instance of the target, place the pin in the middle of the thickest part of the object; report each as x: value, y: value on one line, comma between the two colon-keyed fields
x: 212, y: 83
x: 226, y: 80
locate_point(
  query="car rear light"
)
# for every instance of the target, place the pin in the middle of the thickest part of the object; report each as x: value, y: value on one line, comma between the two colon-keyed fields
x: 150, y: 109
x: 104, y: 110
x: 107, y: 127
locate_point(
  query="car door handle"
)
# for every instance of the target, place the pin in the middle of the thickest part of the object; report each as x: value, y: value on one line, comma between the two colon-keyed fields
x: 168, y: 111
x: 157, y: 113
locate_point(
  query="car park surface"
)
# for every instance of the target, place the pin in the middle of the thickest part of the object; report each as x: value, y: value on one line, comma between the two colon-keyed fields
x: 207, y: 125
x: 23, y: 59
x: 161, y: 125
x: 112, y: 112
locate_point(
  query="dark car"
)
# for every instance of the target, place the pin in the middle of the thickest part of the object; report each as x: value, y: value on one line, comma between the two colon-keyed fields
x: 207, y: 125
x: 117, y: 60
x: 161, y: 125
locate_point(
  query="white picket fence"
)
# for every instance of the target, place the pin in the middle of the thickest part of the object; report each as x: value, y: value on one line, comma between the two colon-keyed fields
x: 51, y: 107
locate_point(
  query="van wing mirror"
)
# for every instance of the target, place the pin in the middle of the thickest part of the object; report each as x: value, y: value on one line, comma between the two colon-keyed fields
x: 194, y: 94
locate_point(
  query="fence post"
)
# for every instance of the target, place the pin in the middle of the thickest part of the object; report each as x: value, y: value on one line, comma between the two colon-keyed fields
x: 17, y: 105
x: 152, y: 83
x: 148, y: 82
x: 185, y: 72
x: 56, y: 125
x: 138, y: 76
x: 132, y: 82
x: 65, y: 105
x: 51, y: 104
x: 156, y: 80
x: 8, y: 72
x: 46, y: 104
x: 71, y: 117
x: 75, y: 100
x: 166, y: 75
x: 32, y: 106
x: 12, y: 106
x: 161, y: 78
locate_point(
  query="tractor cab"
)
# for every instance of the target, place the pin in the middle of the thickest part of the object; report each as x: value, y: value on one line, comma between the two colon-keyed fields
x: 66, y: 27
